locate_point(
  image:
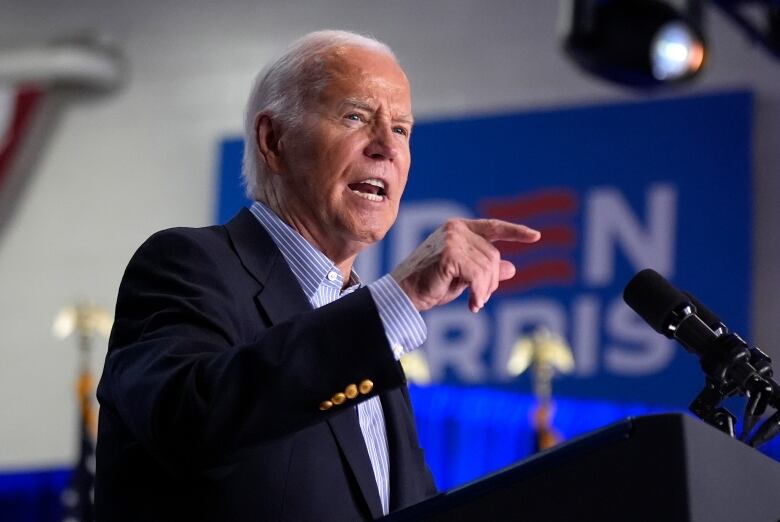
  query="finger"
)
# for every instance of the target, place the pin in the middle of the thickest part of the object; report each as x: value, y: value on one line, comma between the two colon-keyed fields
x: 506, y: 270
x: 490, y: 259
x: 478, y: 296
x: 498, y: 230
x: 479, y: 281
x: 474, y: 303
x: 486, y: 259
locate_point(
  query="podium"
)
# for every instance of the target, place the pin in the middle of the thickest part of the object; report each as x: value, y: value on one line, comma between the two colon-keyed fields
x: 669, y: 467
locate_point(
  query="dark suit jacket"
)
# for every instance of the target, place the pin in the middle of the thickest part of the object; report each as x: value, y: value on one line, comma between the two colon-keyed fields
x: 210, y: 394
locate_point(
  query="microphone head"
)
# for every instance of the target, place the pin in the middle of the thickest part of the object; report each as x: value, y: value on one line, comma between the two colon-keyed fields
x: 654, y: 299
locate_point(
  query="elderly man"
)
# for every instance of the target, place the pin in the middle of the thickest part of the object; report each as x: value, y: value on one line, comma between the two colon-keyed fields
x: 250, y: 375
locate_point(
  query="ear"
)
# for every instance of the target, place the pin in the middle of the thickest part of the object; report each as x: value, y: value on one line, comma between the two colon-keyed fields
x: 267, y: 136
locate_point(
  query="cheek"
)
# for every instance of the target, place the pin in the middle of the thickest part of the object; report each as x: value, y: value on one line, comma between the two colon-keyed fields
x: 347, y: 151
x: 305, y: 147
x: 404, y: 176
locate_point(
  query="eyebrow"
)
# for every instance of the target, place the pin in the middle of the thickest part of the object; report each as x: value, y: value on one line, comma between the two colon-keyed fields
x: 365, y: 106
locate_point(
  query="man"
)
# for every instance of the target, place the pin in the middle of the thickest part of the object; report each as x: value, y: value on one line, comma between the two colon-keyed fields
x: 249, y: 375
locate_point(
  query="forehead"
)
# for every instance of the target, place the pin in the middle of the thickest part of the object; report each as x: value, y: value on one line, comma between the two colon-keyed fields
x: 365, y: 74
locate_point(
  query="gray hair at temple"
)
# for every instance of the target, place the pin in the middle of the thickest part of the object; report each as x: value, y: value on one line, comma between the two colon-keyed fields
x: 282, y: 88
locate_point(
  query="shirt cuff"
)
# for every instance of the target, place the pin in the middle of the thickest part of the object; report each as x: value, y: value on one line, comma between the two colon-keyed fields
x: 404, y: 327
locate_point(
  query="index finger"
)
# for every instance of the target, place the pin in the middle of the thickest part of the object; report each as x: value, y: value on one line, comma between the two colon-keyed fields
x: 498, y: 230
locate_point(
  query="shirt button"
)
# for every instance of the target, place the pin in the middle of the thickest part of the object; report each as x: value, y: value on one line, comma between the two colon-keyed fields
x: 332, y: 276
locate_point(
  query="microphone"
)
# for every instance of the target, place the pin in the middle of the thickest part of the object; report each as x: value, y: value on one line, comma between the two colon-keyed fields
x: 706, y: 315
x: 729, y: 364
x: 669, y: 311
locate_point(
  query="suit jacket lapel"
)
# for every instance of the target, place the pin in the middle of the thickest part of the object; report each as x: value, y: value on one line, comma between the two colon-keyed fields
x: 280, y: 298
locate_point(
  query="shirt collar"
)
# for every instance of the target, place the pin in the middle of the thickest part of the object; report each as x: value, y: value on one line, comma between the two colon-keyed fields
x: 311, y: 267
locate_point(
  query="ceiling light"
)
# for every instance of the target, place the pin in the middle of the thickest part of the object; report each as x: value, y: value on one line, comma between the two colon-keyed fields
x: 640, y: 43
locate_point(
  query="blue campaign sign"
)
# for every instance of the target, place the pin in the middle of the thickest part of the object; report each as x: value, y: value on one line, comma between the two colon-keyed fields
x: 614, y: 189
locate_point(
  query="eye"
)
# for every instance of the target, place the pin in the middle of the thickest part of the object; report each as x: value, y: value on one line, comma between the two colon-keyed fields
x: 353, y: 116
x: 403, y: 131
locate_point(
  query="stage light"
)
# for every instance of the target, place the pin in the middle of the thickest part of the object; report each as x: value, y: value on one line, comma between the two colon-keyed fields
x: 641, y: 43
x: 675, y: 52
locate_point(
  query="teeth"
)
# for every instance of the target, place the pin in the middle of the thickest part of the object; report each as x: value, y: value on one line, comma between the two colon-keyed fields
x: 371, y: 197
x: 376, y: 182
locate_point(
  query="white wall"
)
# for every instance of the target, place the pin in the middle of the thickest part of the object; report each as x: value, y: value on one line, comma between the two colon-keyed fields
x: 119, y: 169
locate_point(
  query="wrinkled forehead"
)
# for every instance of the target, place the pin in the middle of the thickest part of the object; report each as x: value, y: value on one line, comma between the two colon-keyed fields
x: 367, y: 74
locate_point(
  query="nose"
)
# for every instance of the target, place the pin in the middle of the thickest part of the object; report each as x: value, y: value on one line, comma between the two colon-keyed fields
x: 382, y: 144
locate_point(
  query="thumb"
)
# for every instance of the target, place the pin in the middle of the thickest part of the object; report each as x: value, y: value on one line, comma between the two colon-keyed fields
x: 506, y: 270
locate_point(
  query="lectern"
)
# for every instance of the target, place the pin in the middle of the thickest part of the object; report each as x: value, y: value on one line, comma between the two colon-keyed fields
x: 660, y: 468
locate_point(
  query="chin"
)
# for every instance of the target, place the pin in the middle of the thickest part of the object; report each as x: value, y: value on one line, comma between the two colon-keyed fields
x: 370, y: 236
x: 369, y: 229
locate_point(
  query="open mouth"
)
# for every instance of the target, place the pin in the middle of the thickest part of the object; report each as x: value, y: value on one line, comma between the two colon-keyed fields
x: 371, y: 189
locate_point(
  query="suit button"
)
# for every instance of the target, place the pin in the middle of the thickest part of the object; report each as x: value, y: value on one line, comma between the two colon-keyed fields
x: 325, y: 405
x: 338, y: 398
x: 366, y: 386
x: 351, y: 391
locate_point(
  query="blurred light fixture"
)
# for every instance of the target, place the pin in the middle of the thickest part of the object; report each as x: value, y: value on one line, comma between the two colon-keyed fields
x: 640, y: 43
x: 90, y: 63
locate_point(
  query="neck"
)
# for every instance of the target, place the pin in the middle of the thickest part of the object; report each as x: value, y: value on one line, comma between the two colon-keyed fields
x: 340, y: 254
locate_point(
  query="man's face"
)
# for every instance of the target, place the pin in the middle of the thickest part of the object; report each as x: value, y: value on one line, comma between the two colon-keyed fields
x: 344, y: 169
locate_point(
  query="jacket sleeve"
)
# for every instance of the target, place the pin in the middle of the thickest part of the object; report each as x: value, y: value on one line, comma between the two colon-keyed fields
x: 195, y: 381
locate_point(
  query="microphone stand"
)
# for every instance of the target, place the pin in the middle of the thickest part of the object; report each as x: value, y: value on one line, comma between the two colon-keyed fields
x: 707, y: 406
x: 730, y: 367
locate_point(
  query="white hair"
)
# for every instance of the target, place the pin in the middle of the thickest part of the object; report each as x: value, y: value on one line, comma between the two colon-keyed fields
x: 282, y: 88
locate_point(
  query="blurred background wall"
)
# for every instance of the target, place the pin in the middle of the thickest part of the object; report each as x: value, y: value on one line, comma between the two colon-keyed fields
x: 118, y: 168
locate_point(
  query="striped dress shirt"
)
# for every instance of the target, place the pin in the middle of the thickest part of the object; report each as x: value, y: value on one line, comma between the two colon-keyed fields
x: 322, y: 283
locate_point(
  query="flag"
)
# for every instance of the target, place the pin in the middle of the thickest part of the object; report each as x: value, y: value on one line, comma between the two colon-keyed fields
x: 78, y: 497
